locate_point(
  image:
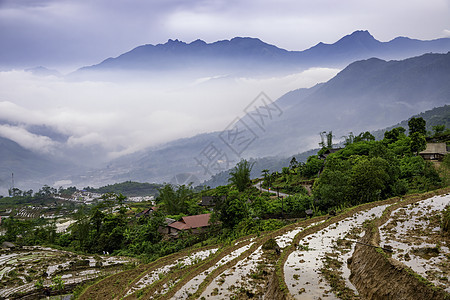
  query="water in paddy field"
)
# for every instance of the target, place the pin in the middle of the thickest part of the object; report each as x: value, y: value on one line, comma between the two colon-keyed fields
x: 302, y: 268
x: 414, y: 233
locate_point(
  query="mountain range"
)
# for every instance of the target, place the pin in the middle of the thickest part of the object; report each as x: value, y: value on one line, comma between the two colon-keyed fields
x: 244, y: 56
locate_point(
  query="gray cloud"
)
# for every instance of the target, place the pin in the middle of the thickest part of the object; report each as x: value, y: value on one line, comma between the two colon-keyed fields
x: 121, y: 118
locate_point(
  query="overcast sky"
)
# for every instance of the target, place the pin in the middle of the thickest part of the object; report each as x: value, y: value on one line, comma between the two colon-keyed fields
x: 68, y: 34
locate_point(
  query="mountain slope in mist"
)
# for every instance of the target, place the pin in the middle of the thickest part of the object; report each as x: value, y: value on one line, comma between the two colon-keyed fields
x: 29, y: 168
x: 367, y: 95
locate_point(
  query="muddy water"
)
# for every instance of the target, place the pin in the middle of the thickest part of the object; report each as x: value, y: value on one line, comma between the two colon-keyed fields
x: 414, y: 234
x: 191, y: 286
x: 302, y: 268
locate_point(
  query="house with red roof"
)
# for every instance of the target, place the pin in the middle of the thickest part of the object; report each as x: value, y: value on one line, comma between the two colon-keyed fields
x: 197, y: 224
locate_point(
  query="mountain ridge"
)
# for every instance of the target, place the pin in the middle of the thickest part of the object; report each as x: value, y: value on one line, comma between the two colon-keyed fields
x: 234, y: 55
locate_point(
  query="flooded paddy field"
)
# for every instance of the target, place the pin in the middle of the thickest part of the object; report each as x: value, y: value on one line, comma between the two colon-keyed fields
x: 414, y: 233
x: 303, y: 268
x: 159, y: 273
x: 21, y: 269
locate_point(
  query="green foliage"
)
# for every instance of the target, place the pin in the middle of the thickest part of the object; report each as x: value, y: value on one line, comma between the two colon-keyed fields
x: 39, y: 284
x: 128, y: 188
x: 364, y: 136
x: 57, y: 284
x: 178, y: 200
x: 394, y: 134
x: 438, y: 130
x: 369, y: 170
x: 418, y: 142
x: 334, y: 183
x: 446, y: 160
x: 240, y: 175
x: 417, y: 125
x: 369, y: 179
x: 411, y: 166
x: 232, y: 210
x: 312, y: 167
x: 67, y: 192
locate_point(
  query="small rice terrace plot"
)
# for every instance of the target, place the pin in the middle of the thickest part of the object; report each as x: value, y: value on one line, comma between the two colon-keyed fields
x: 414, y: 232
x: 324, y: 251
x: 21, y: 269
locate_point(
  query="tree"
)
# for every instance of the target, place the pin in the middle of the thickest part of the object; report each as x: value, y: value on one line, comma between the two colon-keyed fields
x: 266, y: 175
x: 286, y: 172
x: 240, y: 175
x: 175, y: 201
x: 333, y: 186
x: 293, y: 163
x: 438, y: 129
x: 312, y: 167
x: 232, y: 210
x: 330, y: 139
x: 418, y: 142
x: 364, y: 136
x: 417, y: 125
x: 394, y: 134
x: 349, y: 139
x: 15, y: 192
x: 369, y: 178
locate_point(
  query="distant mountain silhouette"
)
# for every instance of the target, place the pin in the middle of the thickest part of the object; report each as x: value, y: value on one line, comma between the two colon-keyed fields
x: 250, y: 56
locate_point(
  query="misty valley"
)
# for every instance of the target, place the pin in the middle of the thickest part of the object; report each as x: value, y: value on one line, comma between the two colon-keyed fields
x: 232, y: 169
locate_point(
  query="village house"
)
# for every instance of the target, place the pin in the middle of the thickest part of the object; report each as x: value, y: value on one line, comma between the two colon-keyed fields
x: 434, y: 151
x: 197, y: 224
x: 166, y: 229
x: 329, y: 151
x: 210, y: 201
x: 147, y: 212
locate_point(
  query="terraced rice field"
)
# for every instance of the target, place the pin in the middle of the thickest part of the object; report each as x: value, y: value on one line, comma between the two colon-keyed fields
x: 309, y: 261
x: 414, y: 231
x: 21, y: 269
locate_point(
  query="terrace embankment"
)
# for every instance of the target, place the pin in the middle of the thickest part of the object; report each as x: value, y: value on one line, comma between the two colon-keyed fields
x: 376, y: 275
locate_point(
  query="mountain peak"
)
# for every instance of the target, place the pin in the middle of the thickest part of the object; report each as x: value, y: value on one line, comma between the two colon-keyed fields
x: 359, y: 35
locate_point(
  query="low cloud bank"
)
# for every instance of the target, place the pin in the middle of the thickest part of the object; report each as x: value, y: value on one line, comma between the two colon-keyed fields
x: 121, y: 118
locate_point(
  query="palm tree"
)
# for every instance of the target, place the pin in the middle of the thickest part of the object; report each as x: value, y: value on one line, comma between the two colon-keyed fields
x: 240, y: 175
x: 265, y: 172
